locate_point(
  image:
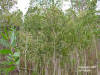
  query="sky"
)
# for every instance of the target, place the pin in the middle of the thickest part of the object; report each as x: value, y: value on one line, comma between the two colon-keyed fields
x: 98, y: 5
x: 24, y: 4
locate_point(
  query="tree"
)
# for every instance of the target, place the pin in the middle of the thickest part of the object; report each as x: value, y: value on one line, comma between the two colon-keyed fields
x: 9, y: 23
x: 54, y: 37
x: 5, y: 6
x: 79, y: 5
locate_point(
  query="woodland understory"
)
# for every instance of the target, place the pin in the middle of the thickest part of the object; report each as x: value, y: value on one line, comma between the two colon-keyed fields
x: 50, y: 41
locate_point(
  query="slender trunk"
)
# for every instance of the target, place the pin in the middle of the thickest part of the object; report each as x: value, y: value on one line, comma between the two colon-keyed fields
x: 85, y: 63
x: 54, y: 61
x: 38, y: 64
x: 94, y: 40
x: 25, y: 56
x: 59, y: 68
x: 54, y: 53
x: 46, y: 69
x: 19, y: 69
x: 77, y: 60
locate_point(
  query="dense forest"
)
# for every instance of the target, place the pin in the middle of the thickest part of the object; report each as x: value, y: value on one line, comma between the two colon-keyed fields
x: 50, y: 41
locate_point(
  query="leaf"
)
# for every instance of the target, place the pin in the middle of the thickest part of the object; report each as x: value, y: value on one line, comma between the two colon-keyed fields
x: 8, y: 69
x: 4, y: 42
x: 17, y: 62
x: 13, y: 38
x: 16, y: 57
x: 6, y: 63
x: 16, y: 54
x: 5, y: 51
x: 11, y: 68
x: 4, y: 36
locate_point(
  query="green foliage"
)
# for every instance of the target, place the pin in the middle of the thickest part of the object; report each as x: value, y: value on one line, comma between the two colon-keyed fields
x: 48, y: 35
x: 6, y: 4
x: 12, y: 58
x: 52, y: 33
x: 4, y: 52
